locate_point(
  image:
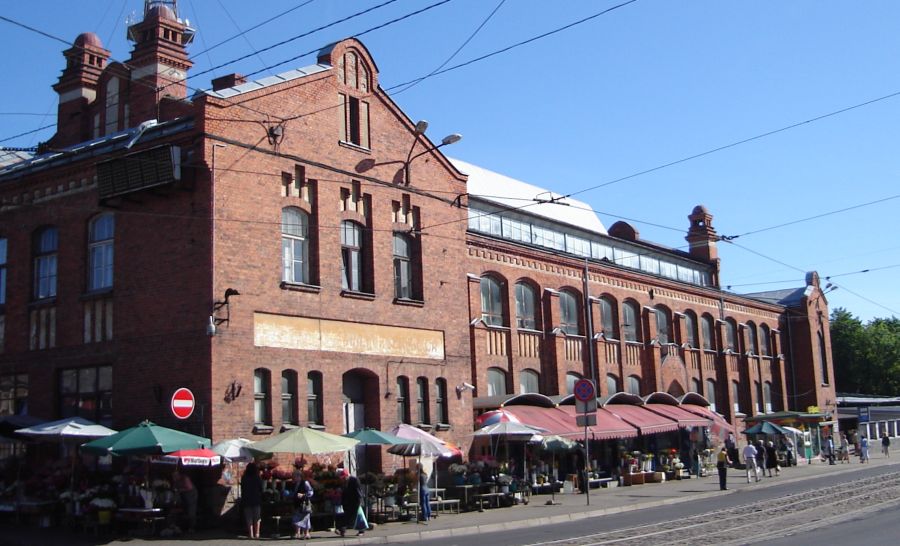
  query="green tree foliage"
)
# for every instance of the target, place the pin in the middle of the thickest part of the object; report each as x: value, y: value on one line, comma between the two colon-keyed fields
x: 866, y: 356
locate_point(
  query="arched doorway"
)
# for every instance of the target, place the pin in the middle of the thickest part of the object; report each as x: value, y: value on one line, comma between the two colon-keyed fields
x: 361, y: 402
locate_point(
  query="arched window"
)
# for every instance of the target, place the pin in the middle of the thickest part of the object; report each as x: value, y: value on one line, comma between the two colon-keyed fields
x: 491, y: 302
x: 608, y: 324
x: 314, y: 399
x: 634, y: 385
x: 422, y: 400
x: 525, y: 306
x: 262, y: 397
x: 736, y: 396
x: 496, y: 382
x: 695, y: 385
x: 100, y: 252
x: 568, y: 313
x: 571, y: 379
x: 529, y: 381
x: 759, y: 396
x: 730, y: 335
x: 690, y: 329
x: 823, y: 357
x: 708, y: 332
x: 46, y: 244
x: 711, y: 393
x: 353, y: 272
x: 767, y: 396
x: 294, y: 245
x: 631, y: 317
x: 440, y: 401
x: 112, y: 106
x: 663, y: 326
x: 751, y: 339
x: 404, y: 282
x: 288, y: 397
x: 764, y: 337
x: 403, y: 399
x: 612, y: 384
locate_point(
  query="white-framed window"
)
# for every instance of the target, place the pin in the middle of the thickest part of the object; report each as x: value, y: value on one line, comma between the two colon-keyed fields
x: 496, y: 382
x: 289, y: 397
x: 404, y: 281
x: 634, y: 385
x: 711, y: 393
x: 46, y: 245
x: 101, y: 233
x: 352, y: 262
x: 314, y: 399
x: 422, y: 400
x: 262, y: 397
x: 708, y: 329
x: 403, y: 399
x: 492, y: 302
x: 631, y: 326
x: 569, y: 320
x: 612, y: 384
x: 295, y: 245
x: 529, y: 381
x: 525, y: 306
x: 440, y: 401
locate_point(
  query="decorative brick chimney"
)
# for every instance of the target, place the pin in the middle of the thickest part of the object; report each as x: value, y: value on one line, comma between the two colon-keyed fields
x: 702, y: 237
x: 77, y: 89
x: 159, y: 61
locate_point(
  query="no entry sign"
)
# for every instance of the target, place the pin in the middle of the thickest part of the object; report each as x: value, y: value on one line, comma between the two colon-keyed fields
x: 183, y: 403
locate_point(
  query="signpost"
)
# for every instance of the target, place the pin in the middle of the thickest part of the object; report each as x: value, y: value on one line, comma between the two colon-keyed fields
x: 586, y: 415
x: 183, y: 403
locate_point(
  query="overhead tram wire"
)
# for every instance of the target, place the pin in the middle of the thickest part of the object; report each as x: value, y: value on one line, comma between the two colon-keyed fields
x: 241, y: 33
x: 460, y: 48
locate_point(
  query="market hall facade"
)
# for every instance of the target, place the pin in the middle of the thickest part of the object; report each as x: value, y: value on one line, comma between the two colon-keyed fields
x: 297, y: 252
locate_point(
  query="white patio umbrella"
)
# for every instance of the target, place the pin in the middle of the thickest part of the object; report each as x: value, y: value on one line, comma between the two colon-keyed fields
x: 238, y: 450
x: 506, y: 430
x: 72, y: 428
x: 422, y: 444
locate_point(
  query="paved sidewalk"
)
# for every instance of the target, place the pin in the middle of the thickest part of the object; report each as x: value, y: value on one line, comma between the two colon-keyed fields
x: 570, y: 507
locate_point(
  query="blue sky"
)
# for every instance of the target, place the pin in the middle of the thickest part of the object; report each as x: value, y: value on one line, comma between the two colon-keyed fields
x: 645, y: 85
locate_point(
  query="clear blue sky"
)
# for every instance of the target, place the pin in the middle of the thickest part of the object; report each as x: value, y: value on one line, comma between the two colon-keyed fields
x: 645, y: 85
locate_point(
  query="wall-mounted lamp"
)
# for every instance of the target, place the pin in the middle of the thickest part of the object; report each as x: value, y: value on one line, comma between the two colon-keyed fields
x: 463, y: 387
x: 421, y: 127
x: 214, y: 320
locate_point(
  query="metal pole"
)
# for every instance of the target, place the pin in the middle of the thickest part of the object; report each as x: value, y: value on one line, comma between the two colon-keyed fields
x: 587, y: 460
x: 592, y: 363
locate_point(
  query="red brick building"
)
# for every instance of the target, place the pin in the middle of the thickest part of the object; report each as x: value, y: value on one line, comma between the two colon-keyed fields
x: 277, y: 247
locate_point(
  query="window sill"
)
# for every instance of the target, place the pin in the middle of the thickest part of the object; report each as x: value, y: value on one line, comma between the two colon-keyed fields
x: 315, y: 426
x: 262, y: 429
x: 357, y: 295
x: 96, y: 294
x: 298, y: 287
x: 46, y: 302
x: 441, y: 427
x: 409, y: 302
x: 424, y: 426
x: 287, y: 426
x: 353, y: 146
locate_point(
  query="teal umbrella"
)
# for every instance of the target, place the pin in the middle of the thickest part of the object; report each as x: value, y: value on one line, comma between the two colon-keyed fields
x: 765, y: 427
x: 371, y: 436
x: 145, y: 439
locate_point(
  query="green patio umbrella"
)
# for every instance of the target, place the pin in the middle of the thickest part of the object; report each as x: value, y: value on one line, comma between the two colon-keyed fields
x: 145, y: 439
x: 306, y: 441
x: 555, y: 444
x: 765, y: 427
x: 374, y: 437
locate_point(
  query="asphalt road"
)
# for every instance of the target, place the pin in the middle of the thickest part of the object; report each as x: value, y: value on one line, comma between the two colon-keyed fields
x: 668, y: 525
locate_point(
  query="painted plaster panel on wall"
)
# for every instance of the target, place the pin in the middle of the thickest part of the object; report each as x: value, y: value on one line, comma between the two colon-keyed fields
x: 347, y: 337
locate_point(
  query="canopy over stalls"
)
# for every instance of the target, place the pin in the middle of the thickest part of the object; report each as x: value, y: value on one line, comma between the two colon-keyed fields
x: 609, y: 425
x: 719, y: 427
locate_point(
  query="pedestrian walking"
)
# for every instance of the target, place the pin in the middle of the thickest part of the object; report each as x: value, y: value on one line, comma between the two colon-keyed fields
x: 772, y: 459
x: 863, y: 449
x: 844, y: 453
x: 731, y: 446
x: 251, y: 498
x: 791, y: 454
x: 749, y: 453
x: 303, y: 494
x: 351, y: 500
x: 829, y: 449
x: 885, y: 445
x: 424, y: 495
x: 722, y: 464
x: 761, y: 457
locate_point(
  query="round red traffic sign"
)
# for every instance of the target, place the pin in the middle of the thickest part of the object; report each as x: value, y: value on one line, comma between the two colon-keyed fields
x: 183, y: 403
x: 584, y: 390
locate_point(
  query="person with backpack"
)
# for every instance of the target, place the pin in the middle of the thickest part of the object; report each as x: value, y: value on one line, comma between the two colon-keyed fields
x: 885, y: 445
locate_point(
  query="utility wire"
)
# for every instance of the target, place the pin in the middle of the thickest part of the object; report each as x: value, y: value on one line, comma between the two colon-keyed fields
x: 28, y: 132
x: 241, y: 33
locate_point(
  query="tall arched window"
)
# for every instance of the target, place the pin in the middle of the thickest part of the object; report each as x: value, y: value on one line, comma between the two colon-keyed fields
x: 823, y: 357
x: 294, y: 245
x: 767, y: 397
x: 525, y: 307
x: 496, y: 382
x: 568, y: 313
x: 695, y: 385
x: 289, y: 397
x: 612, y: 384
x: 751, y: 338
x: 631, y: 326
x: 422, y: 400
x: 262, y: 397
x: 764, y: 337
x: 403, y: 399
x: 529, y: 381
x: 571, y: 379
x: 314, y: 399
x: 100, y: 252
x: 708, y: 332
x: 730, y: 335
x: 634, y: 385
x: 759, y: 396
x: 690, y: 329
x: 440, y: 401
x: 608, y: 324
x: 736, y: 396
x: 711, y: 393
x: 663, y: 326
x: 46, y: 244
x: 353, y: 272
x: 491, y: 301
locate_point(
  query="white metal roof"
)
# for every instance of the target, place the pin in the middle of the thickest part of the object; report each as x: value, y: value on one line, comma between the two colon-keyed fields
x: 502, y: 190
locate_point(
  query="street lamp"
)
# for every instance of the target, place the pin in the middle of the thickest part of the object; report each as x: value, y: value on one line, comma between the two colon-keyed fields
x: 421, y: 127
